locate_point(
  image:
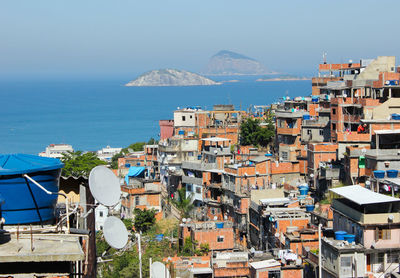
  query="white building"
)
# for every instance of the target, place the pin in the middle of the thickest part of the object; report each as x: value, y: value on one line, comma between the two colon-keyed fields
x: 56, y: 150
x: 101, y: 215
x: 107, y: 153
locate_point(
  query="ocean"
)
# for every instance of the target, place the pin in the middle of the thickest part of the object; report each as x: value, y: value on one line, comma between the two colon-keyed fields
x: 90, y: 115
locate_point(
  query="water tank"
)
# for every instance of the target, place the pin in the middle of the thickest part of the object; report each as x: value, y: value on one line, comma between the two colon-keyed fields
x: 219, y: 225
x: 349, y: 238
x: 379, y: 174
x: 339, y: 235
x: 25, y: 202
x: 392, y: 173
x: 306, y: 117
x: 310, y: 208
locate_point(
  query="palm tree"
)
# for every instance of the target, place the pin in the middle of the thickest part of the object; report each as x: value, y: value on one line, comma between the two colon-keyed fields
x: 185, y: 206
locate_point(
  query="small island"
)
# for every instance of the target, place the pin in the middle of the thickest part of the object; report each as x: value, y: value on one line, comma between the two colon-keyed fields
x: 171, y: 77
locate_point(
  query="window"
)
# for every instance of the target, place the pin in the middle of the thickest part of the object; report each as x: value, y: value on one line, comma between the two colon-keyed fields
x: 191, y: 116
x: 333, y: 126
x: 189, y: 187
x: 321, y: 132
x: 383, y: 234
x: 274, y: 274
x: 136, y: 200
x: 393, y: 258
x: 183, y: 118
x: 334, y: 111
x: 190, y: 153
x: 308, y: 131
x: 285, y: 155
x: 101, y: 214
x: 220, y: 239
x: 198, y: 190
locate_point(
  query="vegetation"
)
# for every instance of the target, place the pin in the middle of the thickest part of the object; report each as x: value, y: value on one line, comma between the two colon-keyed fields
x: 126, y: 263
x: 183, y: 204
x: 144, y: 219
x: 252, y: 133
x: 136, y: 147
x: 190, y: 248
x: 79, y: 163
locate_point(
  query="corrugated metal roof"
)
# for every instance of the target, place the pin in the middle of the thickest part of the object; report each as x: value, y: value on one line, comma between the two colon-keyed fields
x: 362, y: 196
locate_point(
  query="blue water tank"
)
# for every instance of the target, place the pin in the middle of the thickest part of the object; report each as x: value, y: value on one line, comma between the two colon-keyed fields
x: 181, y: 132
x: 339, y: 235
x: 20, y: 194
x: 395, y: 116
x: 315, y: 99
x: 349, y: 238
x: 219, y: 225
x: 306, y: 117
x: 379, y: 174
x: 310, y: 208
x: 392, y: 173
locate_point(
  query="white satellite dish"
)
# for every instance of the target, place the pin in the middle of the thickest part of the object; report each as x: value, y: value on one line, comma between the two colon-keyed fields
x: 158, y: 270
x: 115, y: 232
x: 104, y: 186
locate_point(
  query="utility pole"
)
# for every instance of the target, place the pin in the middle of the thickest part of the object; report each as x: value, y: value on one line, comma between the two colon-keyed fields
x: 140, y: 254
x: 319, y: 252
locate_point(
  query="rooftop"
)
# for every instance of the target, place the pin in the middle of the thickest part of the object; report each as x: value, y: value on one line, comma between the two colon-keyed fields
x: 362, y: 196
x: 265, y: 264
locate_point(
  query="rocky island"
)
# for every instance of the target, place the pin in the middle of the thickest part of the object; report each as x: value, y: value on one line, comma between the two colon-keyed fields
x: 230, y: 63
x: 171, y: 77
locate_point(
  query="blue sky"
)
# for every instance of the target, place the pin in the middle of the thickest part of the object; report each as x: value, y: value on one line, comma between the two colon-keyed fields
x: 123, y: 38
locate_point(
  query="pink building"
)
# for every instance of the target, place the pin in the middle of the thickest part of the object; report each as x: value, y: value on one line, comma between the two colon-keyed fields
x: 166, y: 129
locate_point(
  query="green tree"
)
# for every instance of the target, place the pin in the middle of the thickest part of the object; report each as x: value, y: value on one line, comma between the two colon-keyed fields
x: 79, y: 163
x: 114, y: 160
x: 136, y: 147
x: 252, y: 133
x: 183, y: 204
x: 144, y: 219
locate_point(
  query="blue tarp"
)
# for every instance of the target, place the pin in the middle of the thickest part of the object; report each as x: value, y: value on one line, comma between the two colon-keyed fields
x: 15, y: 164
x: 134, y: 171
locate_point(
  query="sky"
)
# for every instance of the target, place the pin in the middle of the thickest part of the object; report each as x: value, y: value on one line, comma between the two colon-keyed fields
x: 88, y: 39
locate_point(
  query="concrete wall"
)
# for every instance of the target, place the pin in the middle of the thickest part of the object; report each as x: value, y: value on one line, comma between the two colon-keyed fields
x: 384, y: 110
x: 184, y: 118
x: 380, y: 64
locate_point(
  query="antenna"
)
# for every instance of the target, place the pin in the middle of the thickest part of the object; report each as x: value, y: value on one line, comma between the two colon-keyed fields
x: 104, y: 186
x: 158, y: 270
x: 115, y: 232
x: 324, y: 54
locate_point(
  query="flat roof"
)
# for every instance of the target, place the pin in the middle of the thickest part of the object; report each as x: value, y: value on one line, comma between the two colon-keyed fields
x: 47, y: 248
x: 274, y: 201
x: 265, y: 264
x: 215, y: 139
x: 387, y: 131
x: 362, y: 196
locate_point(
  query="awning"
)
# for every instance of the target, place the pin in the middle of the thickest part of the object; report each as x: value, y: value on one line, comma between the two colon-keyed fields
x: 15, y: 164
x: 362, y: 196
x: 134, y: 171
x: 387, y: 131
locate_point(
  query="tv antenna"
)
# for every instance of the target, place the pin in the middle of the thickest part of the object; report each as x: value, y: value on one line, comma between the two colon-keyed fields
x: 324, y: 54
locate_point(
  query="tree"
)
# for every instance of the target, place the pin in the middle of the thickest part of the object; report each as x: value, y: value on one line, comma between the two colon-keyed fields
x: 183, y: 204
x: 144, y: 219
x: 252, y: 133
x: 79, y: 163
x: 114, y: 160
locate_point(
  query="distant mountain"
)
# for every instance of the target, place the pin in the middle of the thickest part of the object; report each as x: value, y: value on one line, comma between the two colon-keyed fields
x: 171, y: 77
x: 230, y: 63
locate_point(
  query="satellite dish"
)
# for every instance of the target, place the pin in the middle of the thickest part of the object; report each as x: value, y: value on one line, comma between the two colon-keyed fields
x: 158, y: 270
x: 104, y: 186
x: 115, y: 232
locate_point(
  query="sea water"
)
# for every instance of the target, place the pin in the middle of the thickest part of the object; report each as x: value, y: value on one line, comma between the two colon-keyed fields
x: 90, y: 115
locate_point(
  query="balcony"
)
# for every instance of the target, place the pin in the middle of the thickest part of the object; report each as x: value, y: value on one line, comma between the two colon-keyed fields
x: 330, y: 173
x: 373, y: 218
x: 290, y: 114
x: 288, y: 131
x: 192, y: 180
x: 352, y: 137
x: 198, y: 166
x: 217, y: 151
